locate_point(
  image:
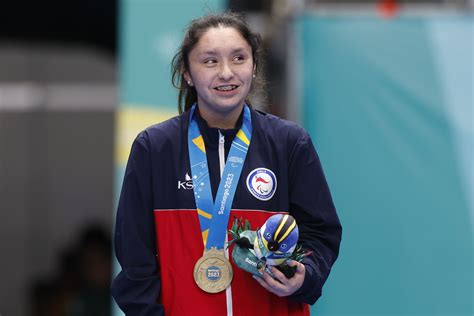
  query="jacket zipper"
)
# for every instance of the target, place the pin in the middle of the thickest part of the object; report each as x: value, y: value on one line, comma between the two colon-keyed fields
x: 221, y: 152
x: 228, y: 291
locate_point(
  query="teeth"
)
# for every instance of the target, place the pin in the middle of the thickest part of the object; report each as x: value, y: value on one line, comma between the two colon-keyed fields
x: 226, y: 88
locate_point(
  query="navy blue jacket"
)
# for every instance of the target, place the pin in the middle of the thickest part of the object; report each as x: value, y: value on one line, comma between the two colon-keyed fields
x: 156, y: 177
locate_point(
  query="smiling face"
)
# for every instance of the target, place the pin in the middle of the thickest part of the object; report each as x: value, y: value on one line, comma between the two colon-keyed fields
x: 221, y: 68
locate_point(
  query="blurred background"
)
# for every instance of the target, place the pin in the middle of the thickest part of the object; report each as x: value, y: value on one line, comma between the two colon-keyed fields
x: 385, y: 89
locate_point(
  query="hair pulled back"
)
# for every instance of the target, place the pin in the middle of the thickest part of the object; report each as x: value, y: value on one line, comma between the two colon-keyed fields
x: 187, y: 95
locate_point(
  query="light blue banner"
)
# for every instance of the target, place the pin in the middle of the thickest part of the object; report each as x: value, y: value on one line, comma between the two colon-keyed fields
x: 389, y: 104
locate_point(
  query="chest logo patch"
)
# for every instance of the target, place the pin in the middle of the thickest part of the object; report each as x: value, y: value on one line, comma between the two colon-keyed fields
x: 262, y: 183
x: 187, y: 184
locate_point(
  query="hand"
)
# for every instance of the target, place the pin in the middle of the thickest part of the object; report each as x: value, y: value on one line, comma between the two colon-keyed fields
x: 282, y: 286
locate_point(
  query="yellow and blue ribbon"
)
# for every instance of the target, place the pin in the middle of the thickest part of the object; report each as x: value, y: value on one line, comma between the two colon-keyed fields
x: 214, y: 216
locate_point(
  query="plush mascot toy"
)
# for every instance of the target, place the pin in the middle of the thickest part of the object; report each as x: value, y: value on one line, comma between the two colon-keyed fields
x: 270, y: 245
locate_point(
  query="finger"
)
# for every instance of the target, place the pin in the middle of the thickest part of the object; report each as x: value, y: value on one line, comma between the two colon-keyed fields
x: 269, y: 279
x: 279, y: 275
x: 300, y: 268
x: 275, y: 286
x: 258, y: 279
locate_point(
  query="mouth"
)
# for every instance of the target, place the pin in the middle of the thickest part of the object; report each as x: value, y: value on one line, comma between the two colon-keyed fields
x: 226, y: 87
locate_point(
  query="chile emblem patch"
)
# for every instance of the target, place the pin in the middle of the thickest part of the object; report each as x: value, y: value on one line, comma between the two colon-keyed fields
x: 262, y: 183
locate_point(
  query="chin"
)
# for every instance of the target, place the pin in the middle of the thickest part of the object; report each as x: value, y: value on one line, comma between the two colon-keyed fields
x: 227, y: 107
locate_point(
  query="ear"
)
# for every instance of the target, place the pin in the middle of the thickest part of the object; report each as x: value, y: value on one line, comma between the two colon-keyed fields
x: 188, y: 79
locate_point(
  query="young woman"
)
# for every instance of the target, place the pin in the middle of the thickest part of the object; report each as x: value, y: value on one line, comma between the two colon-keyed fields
x: 188, y: 177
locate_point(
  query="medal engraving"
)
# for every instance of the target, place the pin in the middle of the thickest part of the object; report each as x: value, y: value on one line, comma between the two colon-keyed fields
x: 213, y: 272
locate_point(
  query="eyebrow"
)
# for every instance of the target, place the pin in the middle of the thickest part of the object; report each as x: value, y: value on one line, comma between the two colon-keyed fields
x: 214, y: 52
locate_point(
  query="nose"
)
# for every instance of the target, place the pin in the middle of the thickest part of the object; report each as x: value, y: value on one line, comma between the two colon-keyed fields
x: 225, y: 72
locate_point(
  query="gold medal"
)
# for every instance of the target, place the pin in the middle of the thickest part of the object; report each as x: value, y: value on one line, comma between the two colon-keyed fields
x: 213, y: 272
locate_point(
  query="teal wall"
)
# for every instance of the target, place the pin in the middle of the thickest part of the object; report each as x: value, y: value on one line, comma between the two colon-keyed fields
x: 150, y: 34
x: 389, y: 105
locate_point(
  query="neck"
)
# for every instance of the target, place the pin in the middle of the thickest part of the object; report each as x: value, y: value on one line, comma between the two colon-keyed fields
x: 224, y: 120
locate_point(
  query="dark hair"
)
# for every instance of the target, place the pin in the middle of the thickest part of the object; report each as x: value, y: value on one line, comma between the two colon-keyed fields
x: 180, y: 64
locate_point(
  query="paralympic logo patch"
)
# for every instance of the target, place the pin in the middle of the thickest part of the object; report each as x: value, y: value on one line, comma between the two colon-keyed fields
x: 262, y: 183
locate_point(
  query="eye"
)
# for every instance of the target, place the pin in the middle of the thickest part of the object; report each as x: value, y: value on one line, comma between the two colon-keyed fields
x: 210, y: 62
x: 239, y: 59
x: 283, y: 246
x: 268, y: 235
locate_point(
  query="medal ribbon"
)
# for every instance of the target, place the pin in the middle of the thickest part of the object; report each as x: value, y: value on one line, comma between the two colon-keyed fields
x: 214, y: 216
